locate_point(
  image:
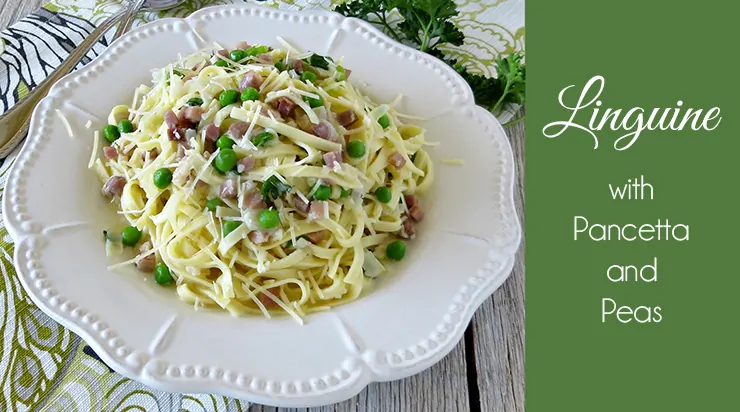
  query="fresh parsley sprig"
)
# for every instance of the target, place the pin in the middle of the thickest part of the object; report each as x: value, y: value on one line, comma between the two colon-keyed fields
x: 507, y: 88
x: 427, y: 25
x: 374, y: 11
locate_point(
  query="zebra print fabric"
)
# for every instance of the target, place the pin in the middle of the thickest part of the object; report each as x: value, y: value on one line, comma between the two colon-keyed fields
x: 35, y: 46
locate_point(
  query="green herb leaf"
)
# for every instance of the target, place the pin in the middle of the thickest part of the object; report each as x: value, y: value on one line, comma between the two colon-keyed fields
x: 486, y: 90
x: 273, y: 188
x: 512, y: 75
x: 255, y: 50
x: 427, y: 25
x: 262, y: 138
x: 195, y: 101
x: 316, y: 60
x: 372, y: 11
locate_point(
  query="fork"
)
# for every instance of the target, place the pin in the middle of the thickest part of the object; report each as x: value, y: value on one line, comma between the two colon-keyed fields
x: 14, y: 123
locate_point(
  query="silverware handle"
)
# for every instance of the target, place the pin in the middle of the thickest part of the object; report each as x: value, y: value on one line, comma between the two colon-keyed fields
x: 134, y: 7
x: 14, y: 122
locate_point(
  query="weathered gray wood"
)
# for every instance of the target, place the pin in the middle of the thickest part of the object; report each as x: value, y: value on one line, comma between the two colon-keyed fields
x: 498, y: 326
x: 497, y: 329
x: 443, y: 388
x: 13, y: 10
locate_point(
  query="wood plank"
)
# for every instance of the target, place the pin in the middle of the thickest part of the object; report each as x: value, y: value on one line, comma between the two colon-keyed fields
x: 498, y: 326
x: 14, y: 10
x: 443, y: 387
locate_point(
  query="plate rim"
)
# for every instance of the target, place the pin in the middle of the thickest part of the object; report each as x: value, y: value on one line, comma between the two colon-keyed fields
x: 25, y: 238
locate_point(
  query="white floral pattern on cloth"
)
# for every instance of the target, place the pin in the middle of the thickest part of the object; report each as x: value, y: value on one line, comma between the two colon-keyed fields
x: 43, y: 366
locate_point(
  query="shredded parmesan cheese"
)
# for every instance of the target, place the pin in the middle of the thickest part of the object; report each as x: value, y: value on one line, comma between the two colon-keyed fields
x: 95, y: 149
x: 118, y: 265
x: 302, y: 196
x: 235, y: 258
x: 195, y: 32
x: 287, y: 45
x: 66, y: 123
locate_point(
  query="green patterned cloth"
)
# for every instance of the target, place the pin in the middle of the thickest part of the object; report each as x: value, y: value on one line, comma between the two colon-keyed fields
x: 45, y: 367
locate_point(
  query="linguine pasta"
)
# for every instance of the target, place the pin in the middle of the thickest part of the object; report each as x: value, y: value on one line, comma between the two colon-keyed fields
x: 261, y: 181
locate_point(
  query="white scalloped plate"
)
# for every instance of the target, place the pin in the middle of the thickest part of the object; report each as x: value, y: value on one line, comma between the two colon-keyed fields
x: 412, y: 318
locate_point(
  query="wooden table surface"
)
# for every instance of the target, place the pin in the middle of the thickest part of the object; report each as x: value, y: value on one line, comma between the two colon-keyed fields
x: 485, y: 371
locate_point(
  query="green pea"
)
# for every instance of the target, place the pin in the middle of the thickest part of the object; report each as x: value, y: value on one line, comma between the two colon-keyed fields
x: 356, y: 148
x: 225, y: 142
x: 228, y: 97
x: 250, y: 94
x: 269, y: 218
x: 130, y: 236
x: 162, y: 274
x: 162, y: 178
x: 195, y: 101
x: 308, y: 77
x: 383, y: 194
x: 384, y: 121
x: 341, y: 74
x: 345, y: 192
x: 323, y: 192
x: 261, y: 139
x: 212, y: 204
x: 238, y: 55
x: 221, y: 63
x: 125, y: 126
x: 111, y: 133
x: 230, y: 226
x: 314, y: 102
x: 280, y: 65
x: 225, y: 160
x: 396, y: 250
